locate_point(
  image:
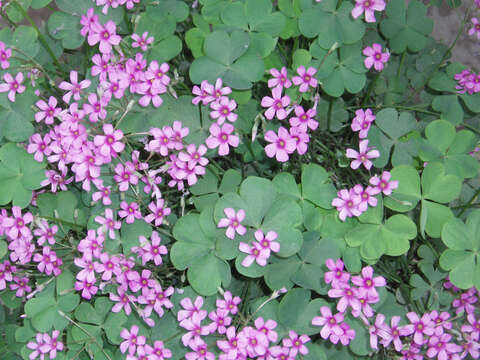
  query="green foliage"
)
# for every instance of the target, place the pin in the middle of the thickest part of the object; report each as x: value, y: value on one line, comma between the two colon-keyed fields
x: 461, y: 256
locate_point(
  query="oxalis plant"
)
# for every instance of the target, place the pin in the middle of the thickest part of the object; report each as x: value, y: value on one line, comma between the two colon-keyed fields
x: 220, y: 179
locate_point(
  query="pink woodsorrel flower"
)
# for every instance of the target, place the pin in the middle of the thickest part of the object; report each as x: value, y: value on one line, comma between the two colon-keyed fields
x: 48, y: 111
x: 229, y: 302
x: 132, y: 340
x: 280, y: 78
x: 12, y: 85
x: 39, y: 146
x: 200, y: 349
x: 222, y: 110
x: 304, y: 119
x: 88, y: 289
x: 267, y: 327
x: 45, y: 233
x: 301, y: 139
x: 362, y: 122
x: 17, y: 226
x: 233, y: 222
x: 379, y: 329
x: 125, y: 175
x: 331, y: 323
x: 383, y: 184
x: 92, y: 245
x: 306, y: 78
x: 74, y: 88
x: 369, y: 7
x: 347, y: 203
x: 129, y: 211
x: 151, y: 251
x: 232, y: 346
x: 395, y: 333
x: 337, y: 277
x: 475, y: 30
x: 5, y: 54
x: 281, y: 144
x: 110, y: 143
x: 363, y: 156
x: 348, y: 297
x: 267, y: 242
x: 296, y: 343
x: 255, y: 253
x: 439, y: 346
x: 220, y: 321
x: 109, y: 222
x: 366, y: 195
x: 420, y: 326
x: 158, y: 212
x: 157, y: 76
x: 204, y: 93
x: 87, y: 20
x: 375, y: 57
x: 222, y: 138
x: 142, y: 42
x: 191, y: 309
x: 122, y: 300
x: 105, y: 35
x: 21, y: 286
x: 347, y: 335
x: 276, y: 104
x: 367, y: 283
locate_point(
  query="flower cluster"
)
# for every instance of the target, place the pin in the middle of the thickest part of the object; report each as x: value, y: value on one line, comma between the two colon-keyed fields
x: 468, y: 82
x: 355, y: 201
x: 129, y: 4
x: 133, y: 288
x: 45, y: 345
x: 222, y: 111
x: 252, y: 342
x: 285, y: 142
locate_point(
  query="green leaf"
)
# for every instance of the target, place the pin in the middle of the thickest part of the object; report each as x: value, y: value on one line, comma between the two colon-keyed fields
x: 438, y: 186
x: 166, y: 49
x: 316, y: 186
x: 406, y: 29
x: 3, y: 248
x: 223, y: 58
x: 65, y: 27
x: 407, y: 195
x: 16, y: 117
x: 331, y: 24
x: 19, y: 175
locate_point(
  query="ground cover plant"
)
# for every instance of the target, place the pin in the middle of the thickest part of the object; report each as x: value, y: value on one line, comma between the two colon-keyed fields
x: 221, y: 179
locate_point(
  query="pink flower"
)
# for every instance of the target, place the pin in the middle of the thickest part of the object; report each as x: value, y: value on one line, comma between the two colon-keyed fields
x: 21, y: 285
x: 331, y: 323
x: 109, y: 143
x: 383, y: 184
x: 366, y: 195
x: 151, y: 251
x: 109, y: 266
x: 222, y: 110
x: 367, y: 282
x: 122, y: 300
x: 301, y: 139
x: 104, y: 194
x: 475, y: 30
x: 39, y: 146
x: 51, y: 344
x: 255, y: 253
x: 130, y: 212
x: 156, y: 75
x: 88, y: 20
x: 200, y: 349
x: 88, y: 289
x: 233, y: 222
x: 106, y: 35
x: 92, y: 245
x: 16, y: 226
x: 143, y: 41
x: 158, y: 211
x: 5, y: 54
x: 280, y: 78
x: 441, y: 347
x: 219, y: 91
x: 267, y: 327
x: 125, y: 175
x: 379, y: 329
x: 48, y: 111
x: 336, y: 276
x: 348, y: 297
x: 369, y: 7
x: 109, y: 222
x: 395, y: 333
x: 45, y: 233
x: 222, y: 138
x: 363, y: 156
x: 220, y: 320
x: 267, y: 242
x: 362, y: 121
x: 132, y: 340
x: 305, y: 79
x: 296, y: 343
x: 229, y: 303
x: 204, y: 93
x: 191, y: 309
x: 304, y: 119
x: 420, y: 326
x: 96, y: 107
x: 74, y: 88
x: 12, y: 85
x: 281, y: 144
x: 345, y: 336
x: 375, y: 57
x: 347, y: 203
x: 276, y: 104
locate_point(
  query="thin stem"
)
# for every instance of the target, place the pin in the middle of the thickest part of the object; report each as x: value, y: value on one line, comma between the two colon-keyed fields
x: 41, y: 38
x: 467, y: 205
x: 471, y: 128
x: 370, y: 89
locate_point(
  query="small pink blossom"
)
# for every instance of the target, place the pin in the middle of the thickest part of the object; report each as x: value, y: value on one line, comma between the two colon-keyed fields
x: 105, y: 35
x: 304, y: 119
x: 13, y: 86
x: 347, y: 203
x: 330, y: 323
x: 223, y: 110
x: 143, y: 41
x: 362, y: 122
x: 222, y: 138
x: 363, y: 156
x: 281, y: 145
x: 276, y: 104
x: 384, y: 184
x: 337, y: 277
x: 475, y: 30
x: 74, y: 88
x: 375, y: 57
x: 151, y: 251
x: 110, y: 143
x: 306, y: 78
x: 130, y: 212
x: 233, y: 222
x: 132, y: 340
x: 369, y: 7
x: 255, y: 253
x: 158, y: 212
x: 280, y: 78
x: 109, y: 222
x: 5, y: 54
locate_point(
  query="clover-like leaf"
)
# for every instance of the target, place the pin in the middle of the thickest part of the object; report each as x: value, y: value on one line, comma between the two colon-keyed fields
x: 433, y: 189
x: 331, y: 115
x: 332, y: 25
x: 202, y: 249
x: 389, y: 129
x: 342, y: 70
x: 223, y: 58
x: 16, y: 117
x: 19, y: 175
x: 316, y: 186
x: 376, y: 237
x: 461, y: 258
x: 443, y: 143
x: 406, y: 29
